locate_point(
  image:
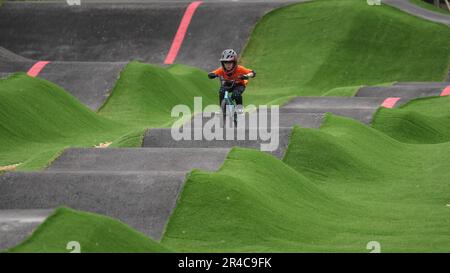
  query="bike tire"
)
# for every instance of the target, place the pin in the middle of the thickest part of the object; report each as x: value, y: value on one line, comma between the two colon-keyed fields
x: 224, y: 108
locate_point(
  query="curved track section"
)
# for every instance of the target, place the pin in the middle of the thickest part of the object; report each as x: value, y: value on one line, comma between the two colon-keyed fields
x: 424, y: 84
x: 16, y: 225
x: 97, y: 32
x: 120, y: 32
x: 90, y: 82
x: 404, y: 92
x: 415, y: 10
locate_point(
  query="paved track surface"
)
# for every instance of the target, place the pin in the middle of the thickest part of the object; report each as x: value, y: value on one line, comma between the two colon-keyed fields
x: 91, y: 32
x: 424, y: 84
x: 90, y: 82
x: 415, y: 10
x: 403, y: 91
x: 135, y: 159
x: 162, y: 138
x: 120, y: 32
x: 16, y: 224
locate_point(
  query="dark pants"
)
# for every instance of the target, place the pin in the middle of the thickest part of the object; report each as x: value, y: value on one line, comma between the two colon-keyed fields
x: 236, y: 95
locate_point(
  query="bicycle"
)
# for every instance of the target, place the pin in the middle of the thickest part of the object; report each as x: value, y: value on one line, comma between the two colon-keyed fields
x: 228, y: 104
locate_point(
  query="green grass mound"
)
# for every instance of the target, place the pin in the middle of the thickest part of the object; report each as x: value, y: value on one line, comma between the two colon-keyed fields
x: 254, y: 202
x: 404, y: 184
x: 133, y: 139
x: 38, y: 119
x: 145, y: 94
x: 423, y: 120
x: 95, y: 233
x: 310, y: 48
x: 337, y: 188
x: 430, y: 106
x: 346, y: 91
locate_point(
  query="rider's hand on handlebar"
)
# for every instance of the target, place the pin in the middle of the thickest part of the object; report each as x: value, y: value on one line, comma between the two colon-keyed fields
x: 211, y: 75
x: 243, y: 77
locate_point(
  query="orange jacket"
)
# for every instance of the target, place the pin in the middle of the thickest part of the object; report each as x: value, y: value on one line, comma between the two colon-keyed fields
x: 239, y: 71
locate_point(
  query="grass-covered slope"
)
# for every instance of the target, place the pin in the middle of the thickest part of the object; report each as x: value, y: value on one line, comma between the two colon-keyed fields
x: 310, y: 48
x: 145, y: 94
x: 337, y: 189
x: 94, y: 233
x: 346, y: 91
x: 38, y: 118
x: 254, y: 203
x: 404, y: 184
x: 423, y: 120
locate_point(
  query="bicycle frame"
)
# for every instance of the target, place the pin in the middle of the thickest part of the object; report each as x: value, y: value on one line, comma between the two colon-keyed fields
x: 231, y: 104
x: 229, y: 109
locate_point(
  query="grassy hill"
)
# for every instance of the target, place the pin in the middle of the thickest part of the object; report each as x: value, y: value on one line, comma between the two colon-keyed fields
x: 95, y: 233
x: 309, y: 48
x: 423, y: 120
x: 337, y: 188
x: 38, y: 119
x: 145, y: 94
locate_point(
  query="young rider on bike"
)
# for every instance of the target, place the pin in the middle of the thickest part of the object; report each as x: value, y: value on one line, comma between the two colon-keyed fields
x: 231, y: 71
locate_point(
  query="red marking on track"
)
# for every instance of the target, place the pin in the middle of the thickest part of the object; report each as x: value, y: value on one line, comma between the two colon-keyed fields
x: 37, y: 68
x: 389, y: 102
x: 446, y: 91
x: 181, y: 32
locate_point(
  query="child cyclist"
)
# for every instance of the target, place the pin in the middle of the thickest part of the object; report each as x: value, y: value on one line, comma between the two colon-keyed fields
x: 231, y: 71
